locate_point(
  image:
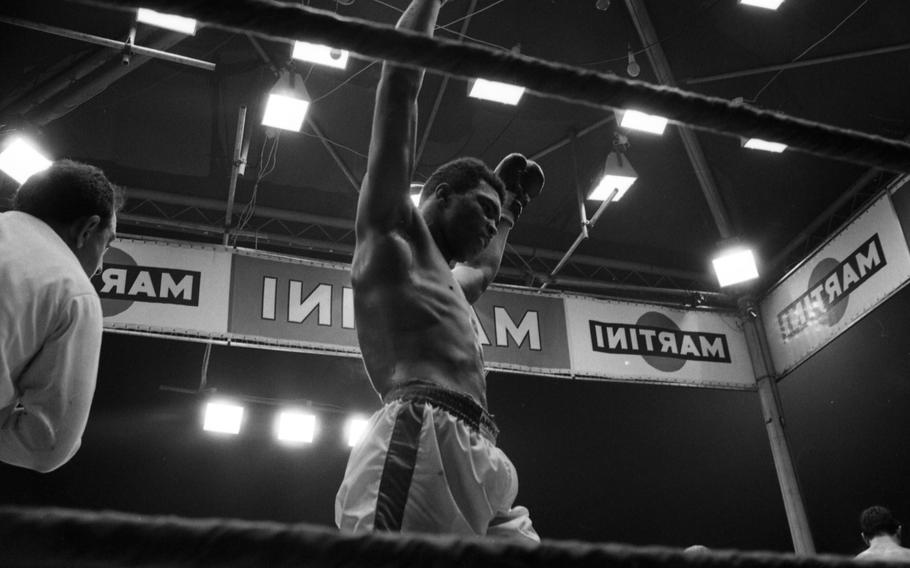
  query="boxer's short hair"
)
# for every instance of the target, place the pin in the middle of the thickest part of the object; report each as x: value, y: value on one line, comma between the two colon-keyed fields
x: 462, y: 174
x: 877, y: 520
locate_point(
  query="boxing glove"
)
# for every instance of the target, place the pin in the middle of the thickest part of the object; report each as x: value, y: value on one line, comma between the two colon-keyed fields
x: 523, y: 179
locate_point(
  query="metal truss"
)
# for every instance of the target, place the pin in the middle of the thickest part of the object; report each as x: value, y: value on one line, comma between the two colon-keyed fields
x: 153, y: 212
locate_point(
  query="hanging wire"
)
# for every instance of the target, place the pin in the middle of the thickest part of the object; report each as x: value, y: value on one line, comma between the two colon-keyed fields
x: 268, y: 159
x: 808, y: 49
x: 696, y: 18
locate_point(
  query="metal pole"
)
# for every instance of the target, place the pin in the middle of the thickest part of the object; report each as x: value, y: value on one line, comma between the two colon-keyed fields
x: 772, y: 413
x: 236, y: 167
x: 114, y: 44
x: 575, y: 135
x: 581, y: 236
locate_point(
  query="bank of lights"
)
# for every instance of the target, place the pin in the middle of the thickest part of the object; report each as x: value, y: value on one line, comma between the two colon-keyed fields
x: 354, y: 430
x: 223, y: 417
x: 287, y: 104
x: 495, y: 91
x: 21, y: 159
x: 767, y: 4
x: 291, y: 426
x: 764, y: 145
x: 167, y: 21
x: 734, y: 266
x: 320, y: 54
x: 618, y: 174
x: 295, y: 427
x: 637, y: 120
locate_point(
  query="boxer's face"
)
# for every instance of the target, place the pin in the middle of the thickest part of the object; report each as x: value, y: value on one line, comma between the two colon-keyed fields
x: 472, y: 217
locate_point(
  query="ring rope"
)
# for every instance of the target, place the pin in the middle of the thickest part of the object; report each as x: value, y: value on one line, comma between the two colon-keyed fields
x: 277, y: 21
x: 55, y: 537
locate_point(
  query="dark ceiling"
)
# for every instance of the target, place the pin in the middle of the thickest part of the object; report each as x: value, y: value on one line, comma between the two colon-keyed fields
x: 166, y: 131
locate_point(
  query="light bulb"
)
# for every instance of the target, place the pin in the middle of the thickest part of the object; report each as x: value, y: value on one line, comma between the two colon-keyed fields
x: 602, y: 4
x: 633, y: 69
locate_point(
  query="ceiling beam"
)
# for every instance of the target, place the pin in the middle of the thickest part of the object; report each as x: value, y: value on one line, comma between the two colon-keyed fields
x: 661, y: 67
x: 135, y: 195
x: 796, y: 64
x: 442, y: 87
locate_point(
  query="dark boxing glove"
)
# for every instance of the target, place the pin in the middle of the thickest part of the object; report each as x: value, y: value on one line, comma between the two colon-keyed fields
x: 523, y: 179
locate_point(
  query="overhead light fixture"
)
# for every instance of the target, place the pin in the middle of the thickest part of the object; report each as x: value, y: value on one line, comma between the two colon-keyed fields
x: 767, y: 4
x: 21, y: 159
x: 223, y: 417
x: 167, y: 21
x: 295, y: 426
x: 496, y: 91
x: 287, y: 103
x: 735, y: 265
x: 633, y: 68
x: 416, y: 188
x: 354, y: 430
x: 618, y: 174
x: 637, y: 120
x: 320, y: 54
x: 759, y: 144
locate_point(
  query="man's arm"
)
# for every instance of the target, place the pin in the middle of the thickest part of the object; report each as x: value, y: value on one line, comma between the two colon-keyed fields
x: 524, y: 180
x: 384, y: 203
x: 56, y: 392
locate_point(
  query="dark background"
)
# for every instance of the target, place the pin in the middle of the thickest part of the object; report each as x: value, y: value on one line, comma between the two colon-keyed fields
x: 598, y: 461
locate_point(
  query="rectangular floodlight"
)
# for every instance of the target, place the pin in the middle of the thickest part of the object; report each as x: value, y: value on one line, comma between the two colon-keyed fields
x: 223, y: 417
x: 759, y: 144
x: 354, y: 430
x: 735, y: 266
x: 285, y: 112
x: 320, y: 54
x: 767, y: 4
x: 495, y: 91
x: 637, y: 120
x: 167, y: 21
x: 20, y: 160
x: 295, y: 427
x: 610, y: 182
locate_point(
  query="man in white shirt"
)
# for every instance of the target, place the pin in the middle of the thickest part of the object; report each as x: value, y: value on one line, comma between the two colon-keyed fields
x: 882, y: 533
x: 51, y: 243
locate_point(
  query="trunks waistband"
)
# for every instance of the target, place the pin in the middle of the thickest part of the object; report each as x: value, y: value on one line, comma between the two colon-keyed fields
x: 461, y: 406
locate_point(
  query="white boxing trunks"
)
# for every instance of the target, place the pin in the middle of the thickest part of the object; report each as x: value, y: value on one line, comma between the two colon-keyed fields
x: 429, y: 464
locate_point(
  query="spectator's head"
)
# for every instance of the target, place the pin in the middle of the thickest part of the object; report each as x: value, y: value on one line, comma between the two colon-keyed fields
x: 79, y: 203
x: 878, y: 521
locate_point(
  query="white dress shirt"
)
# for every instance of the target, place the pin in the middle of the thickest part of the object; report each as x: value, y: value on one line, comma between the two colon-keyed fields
x: 50, y: 337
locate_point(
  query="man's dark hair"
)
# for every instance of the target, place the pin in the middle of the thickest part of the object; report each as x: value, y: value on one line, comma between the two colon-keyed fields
x: 67, y: 191
x: 462, y: 174
x: 877, y: 520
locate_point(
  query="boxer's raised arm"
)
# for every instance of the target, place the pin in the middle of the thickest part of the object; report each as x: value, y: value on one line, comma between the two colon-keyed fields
x: 384, y: 203
x: 523, y: 180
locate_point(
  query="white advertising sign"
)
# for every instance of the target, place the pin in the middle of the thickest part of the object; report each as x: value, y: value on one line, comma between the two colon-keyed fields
x: 165, y: 287
x: 636, y: 342
x: 845, y: 279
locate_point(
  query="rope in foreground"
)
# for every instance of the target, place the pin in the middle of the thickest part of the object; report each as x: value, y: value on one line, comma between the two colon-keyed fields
x: 286, y: 22
x: 65, y: 537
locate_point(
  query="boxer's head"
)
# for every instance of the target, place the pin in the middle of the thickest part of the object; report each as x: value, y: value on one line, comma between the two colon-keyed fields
x: 79, y: 203
x: 461, y: 203
x: 878, y: 521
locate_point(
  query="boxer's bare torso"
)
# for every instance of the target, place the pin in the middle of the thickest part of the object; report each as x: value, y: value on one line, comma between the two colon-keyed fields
x: 413, y: 319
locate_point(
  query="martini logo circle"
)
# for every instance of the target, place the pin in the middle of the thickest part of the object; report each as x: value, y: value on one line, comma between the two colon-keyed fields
x: 659, y: 341
x: 123, y: 282
x: 830, y: 285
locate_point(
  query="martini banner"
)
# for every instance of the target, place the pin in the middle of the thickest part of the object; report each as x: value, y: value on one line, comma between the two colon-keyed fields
x: 243, y: 297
